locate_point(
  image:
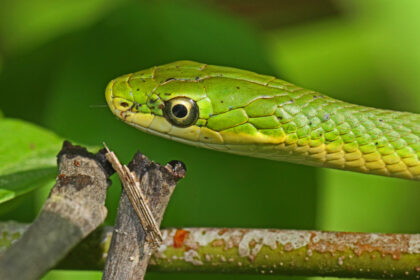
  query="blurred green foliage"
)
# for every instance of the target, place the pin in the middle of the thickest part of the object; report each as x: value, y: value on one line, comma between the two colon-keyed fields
x: 57, y: 57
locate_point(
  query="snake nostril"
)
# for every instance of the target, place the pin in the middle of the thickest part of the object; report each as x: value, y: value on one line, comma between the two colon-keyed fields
x: 124, y: 104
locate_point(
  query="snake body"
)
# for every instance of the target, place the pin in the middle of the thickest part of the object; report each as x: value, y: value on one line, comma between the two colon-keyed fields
x: 242, y: 112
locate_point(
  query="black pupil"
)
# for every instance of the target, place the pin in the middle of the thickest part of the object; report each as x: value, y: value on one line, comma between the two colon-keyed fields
x: 179, y: 111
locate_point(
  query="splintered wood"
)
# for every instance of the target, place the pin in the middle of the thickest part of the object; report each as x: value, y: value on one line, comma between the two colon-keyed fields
x: 132, y: 188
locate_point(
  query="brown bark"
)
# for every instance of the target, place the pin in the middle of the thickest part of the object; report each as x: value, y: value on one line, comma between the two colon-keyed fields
x: 74, y: 208
x: 129, y: 252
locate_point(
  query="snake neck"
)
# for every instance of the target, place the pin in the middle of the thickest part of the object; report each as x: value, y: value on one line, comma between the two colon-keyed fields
x: 344, y: 136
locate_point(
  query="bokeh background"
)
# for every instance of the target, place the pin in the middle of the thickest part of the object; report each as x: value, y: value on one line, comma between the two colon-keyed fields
x: 57, y: 56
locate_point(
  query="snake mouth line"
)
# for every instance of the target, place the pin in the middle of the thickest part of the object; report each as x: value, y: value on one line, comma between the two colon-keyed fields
x: 213, y: 146
x: 237, y: 149
x: 164, y: 135
x: 230, y: 148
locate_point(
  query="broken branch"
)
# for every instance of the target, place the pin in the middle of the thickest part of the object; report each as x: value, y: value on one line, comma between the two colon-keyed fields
x: 74, y: 208
x: 130, y: 252
x: 138, y: 202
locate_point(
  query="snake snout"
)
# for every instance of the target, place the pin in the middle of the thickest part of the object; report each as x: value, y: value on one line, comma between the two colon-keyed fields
x: 108, y: 95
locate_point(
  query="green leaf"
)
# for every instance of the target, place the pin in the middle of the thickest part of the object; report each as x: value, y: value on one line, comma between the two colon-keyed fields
x: 27, y: 157
x: 15, y: 184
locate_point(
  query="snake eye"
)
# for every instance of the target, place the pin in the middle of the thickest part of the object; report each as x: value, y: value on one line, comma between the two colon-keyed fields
x: 181, y: 111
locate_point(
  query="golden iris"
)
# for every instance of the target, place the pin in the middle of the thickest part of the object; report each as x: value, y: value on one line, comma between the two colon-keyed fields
x: 181, y: 111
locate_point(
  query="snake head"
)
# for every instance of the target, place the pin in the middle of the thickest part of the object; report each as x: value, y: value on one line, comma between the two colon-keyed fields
x: 203, y: 105
x: 169, y: 101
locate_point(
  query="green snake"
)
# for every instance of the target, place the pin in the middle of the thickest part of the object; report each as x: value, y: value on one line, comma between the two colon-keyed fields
x: 242, y: 112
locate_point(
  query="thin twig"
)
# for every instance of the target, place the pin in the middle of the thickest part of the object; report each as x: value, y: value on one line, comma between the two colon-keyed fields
x: 129, y: 252
x: 132, y: 188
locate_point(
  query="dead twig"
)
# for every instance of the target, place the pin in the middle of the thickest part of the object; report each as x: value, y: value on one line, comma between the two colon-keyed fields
x: 74, y: 208
x: 132, y: 189
x: 129, y: 251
